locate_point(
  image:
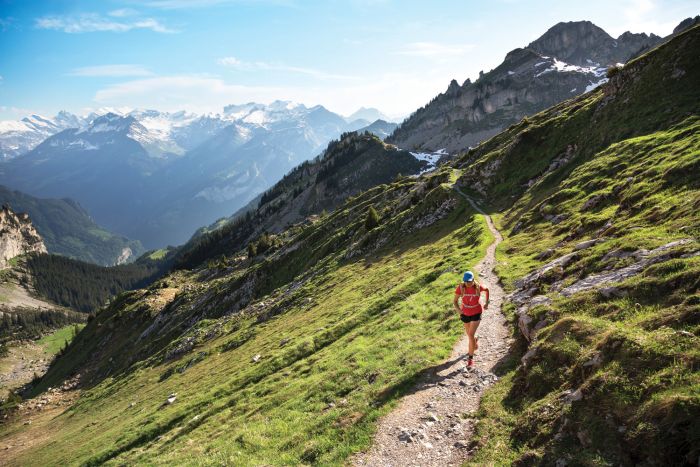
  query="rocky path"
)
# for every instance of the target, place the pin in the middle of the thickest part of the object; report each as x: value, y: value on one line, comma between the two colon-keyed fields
x: 432, y: 426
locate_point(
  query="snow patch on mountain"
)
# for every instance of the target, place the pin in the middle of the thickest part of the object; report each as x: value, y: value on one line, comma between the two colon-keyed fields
x: 563, y: 67
x: 431, y: 158
x: 593, y: 85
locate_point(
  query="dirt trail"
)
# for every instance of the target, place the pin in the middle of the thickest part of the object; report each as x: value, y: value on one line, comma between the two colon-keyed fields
x: 432, y: 426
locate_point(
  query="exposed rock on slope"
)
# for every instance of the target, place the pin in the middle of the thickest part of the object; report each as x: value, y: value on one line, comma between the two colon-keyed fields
x: 569, y: 59
x: 17, y: 236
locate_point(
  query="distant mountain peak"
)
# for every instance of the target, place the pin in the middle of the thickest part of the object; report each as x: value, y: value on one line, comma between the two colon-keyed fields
x: 582, y: 43
x: 110, y: 122
x: 369, y: 114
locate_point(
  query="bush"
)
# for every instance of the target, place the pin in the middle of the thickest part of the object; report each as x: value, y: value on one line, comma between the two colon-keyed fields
x: 252, y: 250
x: 372, y: 219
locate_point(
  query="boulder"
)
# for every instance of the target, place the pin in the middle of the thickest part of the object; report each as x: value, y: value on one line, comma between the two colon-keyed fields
x: 528, y: 356
x: 595, y: 361
x: 558, y: 219
x: 612, y: 292
x: 592, y: 202
x: 584, y: 245
x: 571, y: 395
x: 546, y: 254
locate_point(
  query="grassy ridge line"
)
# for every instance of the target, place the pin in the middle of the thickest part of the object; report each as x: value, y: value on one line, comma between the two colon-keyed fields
x: 371, y: 326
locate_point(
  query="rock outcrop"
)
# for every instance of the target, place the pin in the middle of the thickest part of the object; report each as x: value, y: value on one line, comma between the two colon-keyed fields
x: 17, y: 236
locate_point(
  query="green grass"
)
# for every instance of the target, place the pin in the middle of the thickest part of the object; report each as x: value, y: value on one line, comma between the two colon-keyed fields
x: 54, y: 342
x: 158, y: 254
x: 357, y: 333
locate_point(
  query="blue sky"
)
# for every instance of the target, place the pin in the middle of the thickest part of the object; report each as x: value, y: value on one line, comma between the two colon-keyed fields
x: 201, y: 55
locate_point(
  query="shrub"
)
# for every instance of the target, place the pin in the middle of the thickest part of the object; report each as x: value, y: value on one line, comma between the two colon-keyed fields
x: 372, y: 219
x: 252, y: 250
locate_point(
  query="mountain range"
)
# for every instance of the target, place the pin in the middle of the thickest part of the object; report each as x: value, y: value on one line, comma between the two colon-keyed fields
x: 157, y: 177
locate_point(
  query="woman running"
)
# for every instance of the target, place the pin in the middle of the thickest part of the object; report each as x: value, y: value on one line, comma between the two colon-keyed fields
x: 470, y: 313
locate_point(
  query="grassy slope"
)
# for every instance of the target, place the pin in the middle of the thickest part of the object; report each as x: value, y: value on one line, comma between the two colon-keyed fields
x: 642, y: 402
x: 54, y: 342
x: 356, y: 333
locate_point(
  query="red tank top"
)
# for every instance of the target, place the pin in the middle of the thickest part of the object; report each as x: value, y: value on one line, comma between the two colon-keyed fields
x: 470, y: 299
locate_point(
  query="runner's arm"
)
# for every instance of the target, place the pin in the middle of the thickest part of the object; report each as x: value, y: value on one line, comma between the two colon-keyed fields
x: 455, y: 302
x: 486, y: 304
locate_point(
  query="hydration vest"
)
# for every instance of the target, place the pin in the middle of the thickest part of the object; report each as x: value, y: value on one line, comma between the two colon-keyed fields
x: 470, y: 299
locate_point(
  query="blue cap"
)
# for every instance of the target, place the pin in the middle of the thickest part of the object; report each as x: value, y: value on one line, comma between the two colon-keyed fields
x: 468, y: 276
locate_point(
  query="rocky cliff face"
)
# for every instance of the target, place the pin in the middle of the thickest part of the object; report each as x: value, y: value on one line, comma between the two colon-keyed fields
x: 583, y: 43
x: 17, y: 236
x: 568, y: 60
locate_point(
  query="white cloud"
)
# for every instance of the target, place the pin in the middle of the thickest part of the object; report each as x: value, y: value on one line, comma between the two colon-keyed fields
x: 123, y: 12
x: 642, y: 16
x: 434, y: 49
x: 229, y: 61
x: 233, y: 62
x: 92, y: 22
x: 111, y: 70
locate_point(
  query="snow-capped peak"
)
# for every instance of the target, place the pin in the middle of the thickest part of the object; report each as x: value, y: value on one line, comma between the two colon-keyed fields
x: 18, y: 137
x: 109, y: 122
x: 257, y: 114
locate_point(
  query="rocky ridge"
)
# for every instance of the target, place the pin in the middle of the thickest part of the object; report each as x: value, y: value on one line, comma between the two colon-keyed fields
x: 568, y: 60
x: 17, y: 236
